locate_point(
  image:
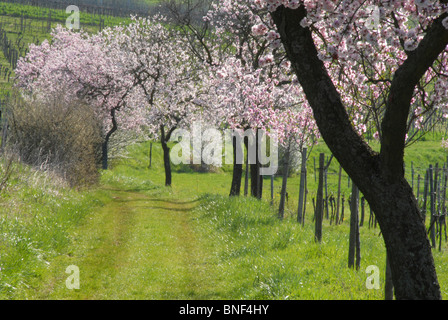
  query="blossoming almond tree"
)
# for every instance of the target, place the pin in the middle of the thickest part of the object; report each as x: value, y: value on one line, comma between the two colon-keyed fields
x: 74, y: 66
x: 296, y: 130
x: 243, y: 99
x: 250, y: 78
x: 166, y: 77
x: 335, y: 52
x: 132, y: 75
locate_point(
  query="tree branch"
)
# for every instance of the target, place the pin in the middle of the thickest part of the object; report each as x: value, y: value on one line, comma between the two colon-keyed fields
x: 402, y: 88
x: 355, y: 156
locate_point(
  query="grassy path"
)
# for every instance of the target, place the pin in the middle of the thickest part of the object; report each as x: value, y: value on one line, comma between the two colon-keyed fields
x: 135, y: 247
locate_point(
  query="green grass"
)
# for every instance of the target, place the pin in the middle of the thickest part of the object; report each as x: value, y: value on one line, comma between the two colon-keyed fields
x: 134, y: 238
x: 40, y: 13
x: 246, y: 233
x: 36, y: 218
x: 273, y: 259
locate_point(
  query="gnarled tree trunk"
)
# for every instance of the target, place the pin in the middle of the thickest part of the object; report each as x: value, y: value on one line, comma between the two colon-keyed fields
x: 105, y: 145
x: 164, y: 138
x: 379, y: 176
x: 237, y: 169
x: 256, y: 179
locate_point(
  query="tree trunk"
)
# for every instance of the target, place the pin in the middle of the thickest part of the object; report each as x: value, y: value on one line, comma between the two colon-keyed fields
x: 406, y: 242
x: 166, y: 156
x: 105, y: 145
x: 104, y: 157
x: 379, y: 176
x: 256, y: 180
x: 150, y: 155
x: 389, y: 286
x: 237, y: 170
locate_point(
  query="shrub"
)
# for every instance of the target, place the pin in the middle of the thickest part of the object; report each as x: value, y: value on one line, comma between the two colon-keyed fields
x: 64, y: 138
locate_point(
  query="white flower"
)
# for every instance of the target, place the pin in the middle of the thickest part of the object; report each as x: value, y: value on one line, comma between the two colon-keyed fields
x: 294, y: 4
x: 259, y: 29
x: 305, y: 23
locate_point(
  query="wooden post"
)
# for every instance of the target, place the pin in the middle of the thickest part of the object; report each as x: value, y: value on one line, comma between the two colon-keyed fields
x: 418, y: 187
x: 361, y: 222
x: 281, y: 209
x: 327, y: 165
x: 246, y: 177
x: 302, y: 186
x: 354, y: 253
x: 432, y: 205
x: 318, y: 214
x: 425, y: 195
x: 339, y: 194
x: 442, y: 223
x: 304, y: 202
x: 332, y: 207
x: 341, y: 218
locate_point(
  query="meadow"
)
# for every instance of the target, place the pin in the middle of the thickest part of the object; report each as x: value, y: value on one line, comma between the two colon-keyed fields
x: 239, y: 247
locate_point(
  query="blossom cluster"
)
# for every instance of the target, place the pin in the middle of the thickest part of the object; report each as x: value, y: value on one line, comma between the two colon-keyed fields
x: 362, y: 43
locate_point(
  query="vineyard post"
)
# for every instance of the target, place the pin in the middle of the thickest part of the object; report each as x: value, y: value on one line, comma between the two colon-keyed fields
x: 339, y: 194
x: 318, y: 214
x: 442, y: 221
x: 432, y: 205
x: 354, y: 254
x: 302, y: 186
x: 361, y: 221
x: 425, y: 195
x: 418, y: 187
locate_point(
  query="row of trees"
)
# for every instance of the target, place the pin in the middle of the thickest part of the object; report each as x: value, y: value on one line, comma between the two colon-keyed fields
x: 357, y: 62
x: 152, y: 75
